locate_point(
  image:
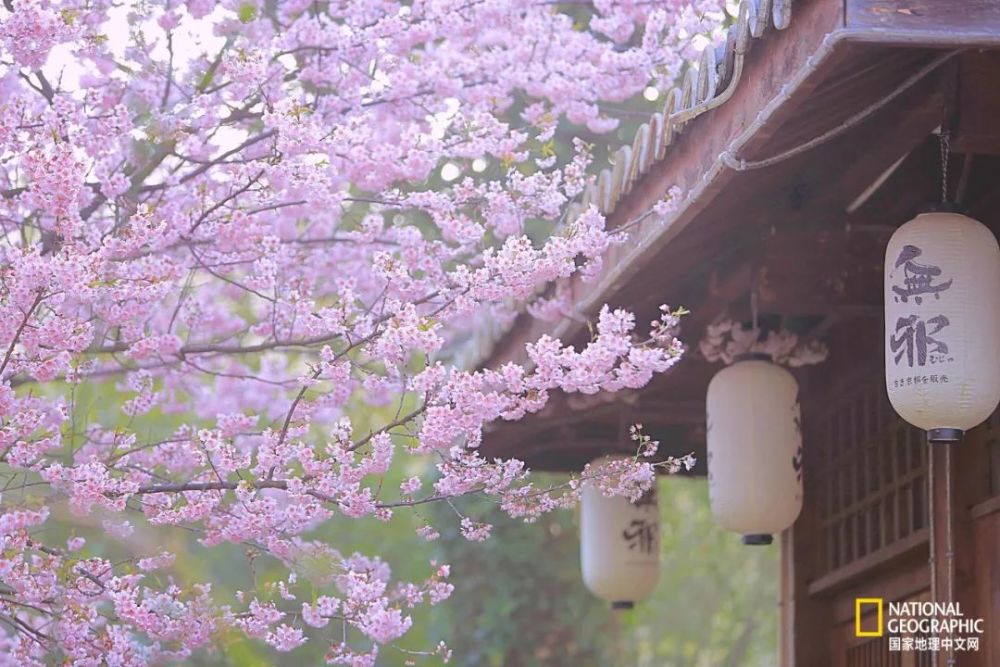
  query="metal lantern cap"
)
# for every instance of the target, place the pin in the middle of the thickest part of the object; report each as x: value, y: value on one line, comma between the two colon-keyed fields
x: 945, y: 435
x: 942, y: 207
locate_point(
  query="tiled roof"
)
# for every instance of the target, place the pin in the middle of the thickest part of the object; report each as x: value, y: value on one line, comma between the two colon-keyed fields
x: 708, y: 82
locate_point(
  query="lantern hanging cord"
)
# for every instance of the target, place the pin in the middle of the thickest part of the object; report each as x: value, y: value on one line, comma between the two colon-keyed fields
x: 945, y: 152
x: 738, y: 164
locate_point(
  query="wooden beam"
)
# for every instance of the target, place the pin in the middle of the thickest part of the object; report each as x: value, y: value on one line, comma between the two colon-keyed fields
x: 987, y: 583
x: 655, y: 411
x: 925, y: 22
x: 912, y: 185
x: 902, y: 579
x: 978, y: 126
x: 870, y: 565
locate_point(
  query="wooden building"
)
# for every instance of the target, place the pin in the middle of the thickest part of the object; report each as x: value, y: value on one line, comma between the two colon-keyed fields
x: 798, y: 149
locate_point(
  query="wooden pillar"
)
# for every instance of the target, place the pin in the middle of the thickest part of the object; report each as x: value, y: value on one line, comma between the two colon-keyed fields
x: 806, y: 620
x: 956, y: 570
x: 986, y: 524
x: 978, y: 475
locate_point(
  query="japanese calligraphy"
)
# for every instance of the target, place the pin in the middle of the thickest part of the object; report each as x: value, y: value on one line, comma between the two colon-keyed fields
x: 641, y: 535
x: 919, y: 379
x: 918, y: 279
x: 797, y: 457
x: 797, y: 412
x: 914, y: 339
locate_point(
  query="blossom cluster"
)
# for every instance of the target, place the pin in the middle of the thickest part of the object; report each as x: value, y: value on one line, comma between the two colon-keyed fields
x: 232, y: 270
x: 727, y: 339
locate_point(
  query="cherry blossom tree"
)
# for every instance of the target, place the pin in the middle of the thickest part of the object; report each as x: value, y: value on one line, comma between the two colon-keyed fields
x: 231, y: 217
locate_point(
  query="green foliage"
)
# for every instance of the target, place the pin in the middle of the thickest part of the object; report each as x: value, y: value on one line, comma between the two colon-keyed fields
x: 520, y: 601
x: 716, y: 604
x: 247, y: 12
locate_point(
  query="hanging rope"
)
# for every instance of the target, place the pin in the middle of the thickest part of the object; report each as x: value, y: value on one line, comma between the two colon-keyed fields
x: 738, y: 164
x: 945, y: 142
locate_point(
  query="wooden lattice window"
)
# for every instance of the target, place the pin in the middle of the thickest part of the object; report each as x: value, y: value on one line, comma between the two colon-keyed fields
x: 872, y: 476
x: 873, y: 653
x: 876, y: 653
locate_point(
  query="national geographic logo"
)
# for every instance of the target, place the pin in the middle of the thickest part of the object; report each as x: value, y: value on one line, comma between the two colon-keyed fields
x: 918, y: 626
x: 863, y: 605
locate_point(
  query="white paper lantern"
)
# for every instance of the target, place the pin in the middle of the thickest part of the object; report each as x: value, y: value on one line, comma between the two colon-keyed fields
x: 619, y: 545
x: 942, y: 323
x: 754, y: 448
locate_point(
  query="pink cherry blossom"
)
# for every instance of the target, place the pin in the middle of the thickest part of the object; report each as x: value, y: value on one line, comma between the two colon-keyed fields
x: 233, y: 229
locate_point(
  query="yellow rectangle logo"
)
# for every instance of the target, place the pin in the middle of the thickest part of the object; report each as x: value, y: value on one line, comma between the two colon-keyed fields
x: 858, y: 604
